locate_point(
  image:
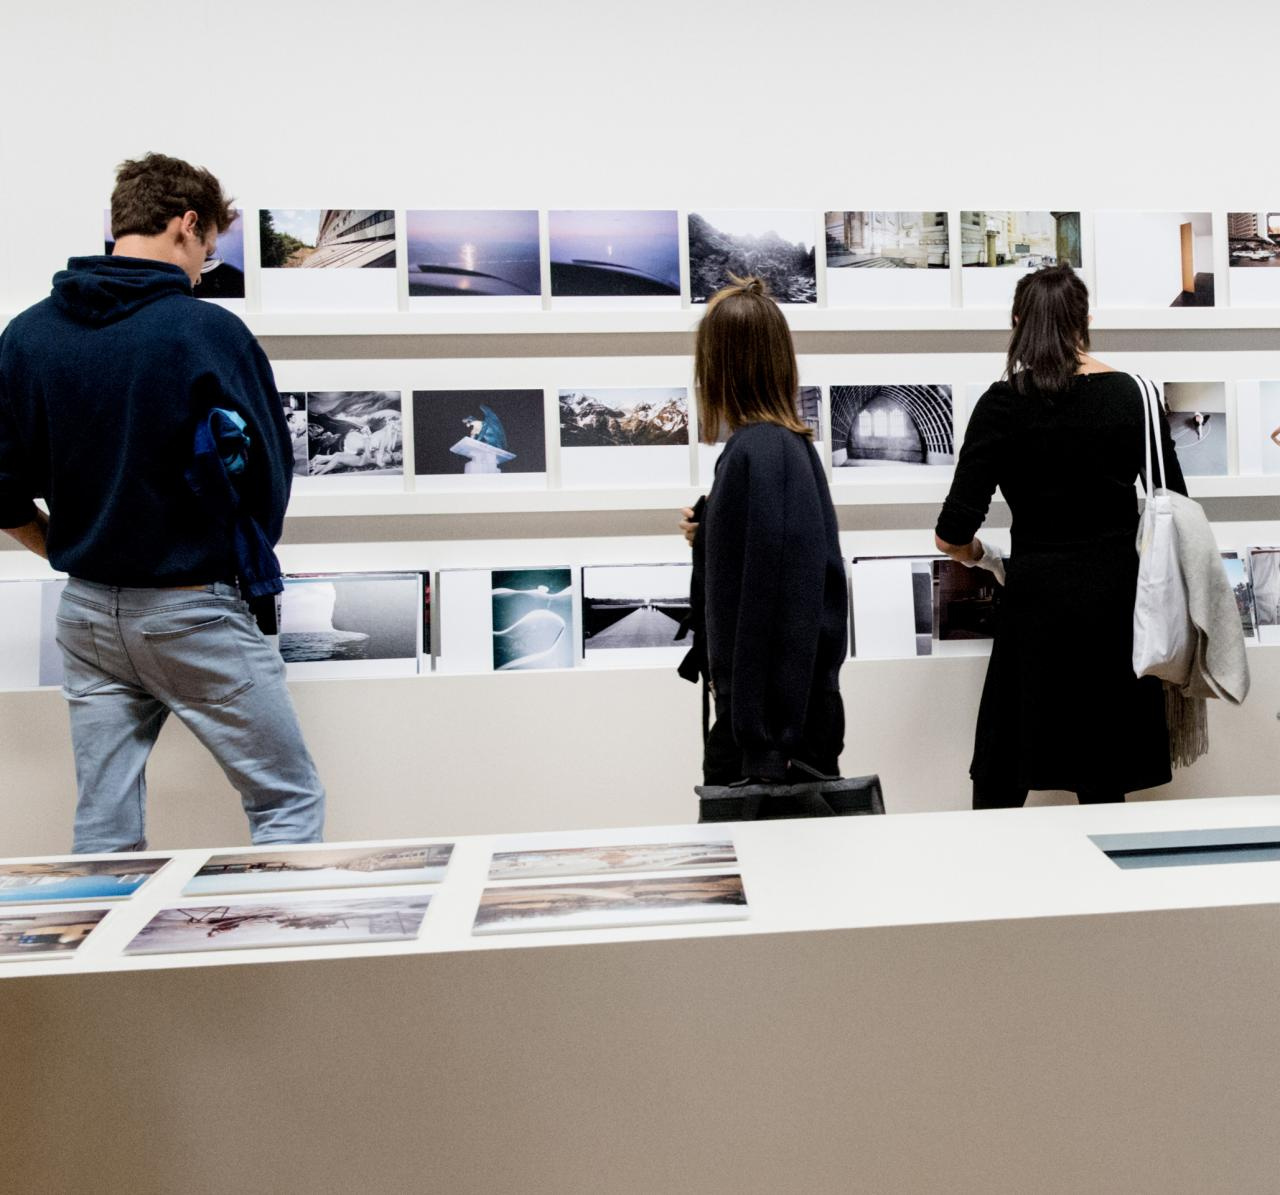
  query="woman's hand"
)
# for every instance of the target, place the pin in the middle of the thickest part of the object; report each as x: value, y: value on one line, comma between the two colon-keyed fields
x: 688, y: 528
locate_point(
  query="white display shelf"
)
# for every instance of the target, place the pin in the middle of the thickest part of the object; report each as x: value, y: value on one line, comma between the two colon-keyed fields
x: 685, y: 320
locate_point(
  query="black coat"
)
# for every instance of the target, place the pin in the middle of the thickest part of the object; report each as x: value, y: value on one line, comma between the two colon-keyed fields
x: 1061, y: 707
x: 775, y: 599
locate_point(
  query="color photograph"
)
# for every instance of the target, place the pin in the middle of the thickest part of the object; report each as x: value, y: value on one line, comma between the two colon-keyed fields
x: 892, y: 425
x: 366, y: 623
x: 590, y: 860
x: 776, y: 246
x: 1020, y: 240
x: 614, y: 254
x: 1253, y: 240
x: 1154, y: 259
x: 634, y: 608
x: 1269, y: 429
x: 965, y: 601
x: 1238, y: 577
x: 615, y: 418
x: 46, y: 935
x: 1264, y: 578
x: 1197, y: 416
x: 75, y: 879
x: 473, y: 254
x: 320, y: 867
x: 478, y: 433
x: 532, y: 619
x: 612, y: 904
x: 309, y: 239
x: 314, y: 921
x: 887, y: 240
x: 222, y: 275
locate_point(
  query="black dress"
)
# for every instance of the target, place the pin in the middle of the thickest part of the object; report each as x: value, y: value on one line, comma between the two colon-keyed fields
x: 1061, y: 707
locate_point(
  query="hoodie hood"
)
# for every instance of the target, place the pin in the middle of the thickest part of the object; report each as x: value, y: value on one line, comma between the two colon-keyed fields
x: 102, y: 290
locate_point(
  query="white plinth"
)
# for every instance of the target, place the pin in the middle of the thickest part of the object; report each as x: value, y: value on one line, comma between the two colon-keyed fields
x: 481, y: 457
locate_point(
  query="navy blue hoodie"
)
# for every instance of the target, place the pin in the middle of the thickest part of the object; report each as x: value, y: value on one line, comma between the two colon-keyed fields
x: 101, y: 388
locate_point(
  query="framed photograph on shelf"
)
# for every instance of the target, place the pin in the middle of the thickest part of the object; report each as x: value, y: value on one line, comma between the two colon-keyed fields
x: 479, y: 439
x: 998, y: 248
x: 1154, y: 259
x: 477, y: 260
x: 327, y: 259
x: 614, y: 259
x: 888, y: 259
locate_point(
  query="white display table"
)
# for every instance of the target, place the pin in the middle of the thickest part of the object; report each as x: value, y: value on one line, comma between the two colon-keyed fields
x: 942, y: 1002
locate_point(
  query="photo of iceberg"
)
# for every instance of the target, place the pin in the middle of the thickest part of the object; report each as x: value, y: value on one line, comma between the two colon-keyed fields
x: 351, y: 623
x: 532, y: 619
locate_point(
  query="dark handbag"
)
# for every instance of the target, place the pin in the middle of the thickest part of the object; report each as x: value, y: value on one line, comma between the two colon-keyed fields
x: 823, y: 796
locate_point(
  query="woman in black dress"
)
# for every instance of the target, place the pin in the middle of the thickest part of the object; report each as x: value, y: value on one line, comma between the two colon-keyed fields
x: 1064, y: 437
x: 770, y: 600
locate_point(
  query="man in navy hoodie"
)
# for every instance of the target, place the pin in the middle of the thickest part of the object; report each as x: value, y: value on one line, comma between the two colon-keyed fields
x: 102, y: 386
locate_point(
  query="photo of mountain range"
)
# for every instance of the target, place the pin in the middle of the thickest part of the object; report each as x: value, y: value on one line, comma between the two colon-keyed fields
x: 642, y: 418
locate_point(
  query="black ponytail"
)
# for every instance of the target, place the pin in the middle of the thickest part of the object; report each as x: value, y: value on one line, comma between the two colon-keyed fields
x: 1050, y: 330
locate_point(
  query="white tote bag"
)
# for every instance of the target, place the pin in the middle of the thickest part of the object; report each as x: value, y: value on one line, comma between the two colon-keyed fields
x: 1163, y: 637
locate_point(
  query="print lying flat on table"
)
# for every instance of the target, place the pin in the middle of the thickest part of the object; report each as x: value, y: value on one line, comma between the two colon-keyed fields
x: 321, y: 867
x: 315, y: 921
x: 75, y: 879
x: 612, y: 904
x: 629, y: 856
x: 46, y: 934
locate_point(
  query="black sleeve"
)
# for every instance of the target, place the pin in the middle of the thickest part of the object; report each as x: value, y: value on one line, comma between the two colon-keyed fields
x: 978, y: 469
x: 250, y: 388
x: 16, y: 487
x: 1173, y: 478
x: 780, y: 600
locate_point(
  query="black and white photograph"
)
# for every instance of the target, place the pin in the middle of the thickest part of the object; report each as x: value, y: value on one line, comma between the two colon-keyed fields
x: 222, y: 275
x: 475, y: 258
x: 776, y: 246
x: 532, y: 619
x: 1242, y: 588
x: 534, y: 864
x: 890, y: 426
x: 1197, y: 416
x: 614, y: 254
x: 892, y: 600
x: 887, y: 241
x: 37, y: 881
x: 632, y: 613
x: 473, y: 438
x: 809, y: 408
x: 327, y: 239
x: 343, y: 433
x: 611, y: 904
x: 351, y: 624
x: 613, y: 436
x: 965, y: 601
x: 1154, y: 259
x: 320, y: 867
x: 1264, y: 577
x: 46, y: 934
x: 323, y: 920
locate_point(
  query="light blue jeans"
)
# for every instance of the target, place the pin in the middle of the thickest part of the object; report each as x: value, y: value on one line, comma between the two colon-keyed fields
x: 132, y: 656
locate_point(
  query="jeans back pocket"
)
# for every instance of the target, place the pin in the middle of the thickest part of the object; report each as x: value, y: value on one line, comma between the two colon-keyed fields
x: 202, y: 661
x: 81, y: 665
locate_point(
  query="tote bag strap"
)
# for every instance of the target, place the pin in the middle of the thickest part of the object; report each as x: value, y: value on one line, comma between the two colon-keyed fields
x: 1151, y: 420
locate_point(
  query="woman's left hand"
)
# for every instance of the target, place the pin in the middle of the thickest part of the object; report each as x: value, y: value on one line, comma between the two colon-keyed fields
x: 688, y: 528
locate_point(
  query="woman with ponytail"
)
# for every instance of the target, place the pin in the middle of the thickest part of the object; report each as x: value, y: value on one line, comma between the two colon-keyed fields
x: 1064, y: 438
x: 770, y: 602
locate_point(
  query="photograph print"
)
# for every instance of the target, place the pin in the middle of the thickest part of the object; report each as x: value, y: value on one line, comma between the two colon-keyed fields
x: 20, y: 634
x: 479, y: 435
x: 46, y: 934
x: 611, y: 904
x: 1268, y: 428
x: 614, y: 857
x: 222, y: 275
x: 888, y: 426
x: 354, y: 432
x: 965, y: 601
x: 614, y: 254
x: 310, y: 239
x: 624, y: 437
x: 1264, y: 578
x: 473, y: 254
x: 892, y: 607
x: 366, y: 624
x: 1196, y: 413
x: 1154, y: 259
x: 635, y: 612
x: 320, y: 867
x: 1242, y: 589
x: 75, y: 879
x: 532, y: 619
x: 1253, y: 240
x: 1019, y: 240
x: 294, y: 403
x: 322, y: 920
x: 887, y: 240
x: 776, y: 246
